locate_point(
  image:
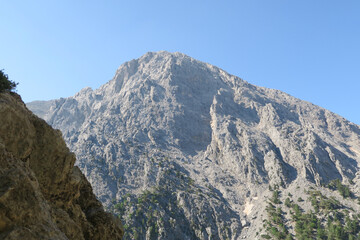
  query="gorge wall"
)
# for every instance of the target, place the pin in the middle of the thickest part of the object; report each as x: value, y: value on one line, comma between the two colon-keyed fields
x: 42, y: 194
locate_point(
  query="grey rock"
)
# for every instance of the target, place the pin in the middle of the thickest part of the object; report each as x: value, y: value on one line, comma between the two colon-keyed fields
x: 201, y: 142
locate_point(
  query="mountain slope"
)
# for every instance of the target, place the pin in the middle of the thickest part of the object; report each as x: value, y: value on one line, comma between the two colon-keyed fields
x: 42, y: 194
x: 202, y: 144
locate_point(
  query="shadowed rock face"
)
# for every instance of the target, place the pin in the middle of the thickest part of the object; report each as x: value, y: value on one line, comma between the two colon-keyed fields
x: 232, y: 138
x: 42, y: 194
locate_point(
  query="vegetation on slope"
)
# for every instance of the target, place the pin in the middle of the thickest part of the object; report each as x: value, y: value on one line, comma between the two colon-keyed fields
x: 189, y: 209
x: 327, y: 219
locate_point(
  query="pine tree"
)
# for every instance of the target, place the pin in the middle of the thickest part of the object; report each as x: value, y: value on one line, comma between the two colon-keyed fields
x: 6, y: 85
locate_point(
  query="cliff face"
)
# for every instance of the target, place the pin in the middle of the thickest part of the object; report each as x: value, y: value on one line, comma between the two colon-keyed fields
x: 42, y: 194
x: 183, y: 150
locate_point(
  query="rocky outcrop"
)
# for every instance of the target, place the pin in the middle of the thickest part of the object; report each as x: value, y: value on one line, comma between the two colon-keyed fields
x: 171, y: 141
x: 42, y: 194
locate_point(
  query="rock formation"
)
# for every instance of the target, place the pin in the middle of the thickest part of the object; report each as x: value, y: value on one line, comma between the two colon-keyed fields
x: 184, y: 150
x: 42, y: 194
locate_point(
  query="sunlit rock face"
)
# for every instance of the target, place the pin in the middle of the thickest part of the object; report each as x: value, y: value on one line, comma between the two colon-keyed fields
x: 42, y: 194
x: 193, y: 149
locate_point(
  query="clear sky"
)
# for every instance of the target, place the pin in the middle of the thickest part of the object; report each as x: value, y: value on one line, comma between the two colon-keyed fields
x: 309, y: 48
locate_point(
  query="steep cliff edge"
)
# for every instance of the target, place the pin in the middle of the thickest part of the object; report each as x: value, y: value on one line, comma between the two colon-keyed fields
x: 42, y: 194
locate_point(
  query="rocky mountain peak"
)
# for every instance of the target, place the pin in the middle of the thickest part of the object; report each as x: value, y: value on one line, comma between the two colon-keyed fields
x: 177, y: 130
x: 163, y: 68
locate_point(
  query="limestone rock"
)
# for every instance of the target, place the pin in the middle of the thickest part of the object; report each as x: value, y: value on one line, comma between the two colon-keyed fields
x: 194, y: 144
x: 42, y: 194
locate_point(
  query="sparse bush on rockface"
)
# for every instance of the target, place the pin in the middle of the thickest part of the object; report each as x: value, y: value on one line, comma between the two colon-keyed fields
x: 327, y: 219
x: 344, y: 190
x: 6, y: 85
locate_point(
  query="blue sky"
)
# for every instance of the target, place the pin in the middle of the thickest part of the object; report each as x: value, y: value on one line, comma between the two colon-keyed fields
x: 309, y: 49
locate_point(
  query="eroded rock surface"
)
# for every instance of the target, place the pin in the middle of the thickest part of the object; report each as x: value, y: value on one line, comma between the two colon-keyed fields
x: 182, y: 147
x: 42, y: 194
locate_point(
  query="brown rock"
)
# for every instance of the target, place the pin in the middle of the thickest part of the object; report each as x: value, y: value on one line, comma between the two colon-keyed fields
x: 42, y: 194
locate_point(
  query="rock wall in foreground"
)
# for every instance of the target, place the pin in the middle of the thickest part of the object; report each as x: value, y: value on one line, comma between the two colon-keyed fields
x: 42, y: 194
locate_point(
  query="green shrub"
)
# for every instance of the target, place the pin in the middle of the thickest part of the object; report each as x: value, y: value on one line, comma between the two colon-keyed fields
x: 275, y: 197
x: 343, y: 189
x: 288, y: 202
x: 6, y: 85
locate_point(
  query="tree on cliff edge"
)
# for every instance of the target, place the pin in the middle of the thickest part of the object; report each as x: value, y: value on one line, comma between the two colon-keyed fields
x: 6, y: 85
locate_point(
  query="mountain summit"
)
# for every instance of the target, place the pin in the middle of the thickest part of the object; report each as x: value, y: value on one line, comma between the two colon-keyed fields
x: 184, y: 150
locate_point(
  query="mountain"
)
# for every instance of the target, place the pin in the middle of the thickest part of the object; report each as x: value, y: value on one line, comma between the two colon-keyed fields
x: 40, y: 107
x: 42, y: 194
x: 183, y: 150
